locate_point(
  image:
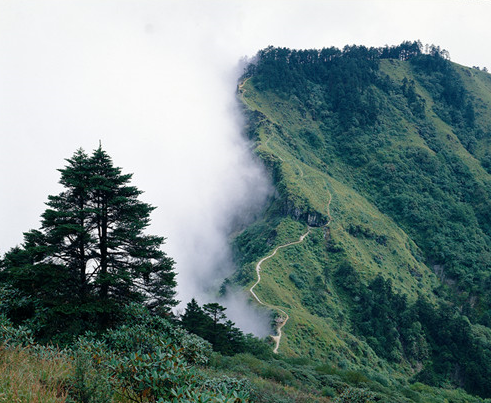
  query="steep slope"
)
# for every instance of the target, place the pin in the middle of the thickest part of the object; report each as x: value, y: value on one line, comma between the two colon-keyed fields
x: 401, y: 141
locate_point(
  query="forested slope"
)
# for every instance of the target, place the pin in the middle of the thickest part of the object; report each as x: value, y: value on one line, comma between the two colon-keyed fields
x: 398, y: 283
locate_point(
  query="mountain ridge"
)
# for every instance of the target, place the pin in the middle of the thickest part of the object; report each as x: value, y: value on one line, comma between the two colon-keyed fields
x: 400, y: 138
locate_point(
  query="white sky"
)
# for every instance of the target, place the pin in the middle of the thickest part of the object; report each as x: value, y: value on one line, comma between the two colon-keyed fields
x: 155, y: 82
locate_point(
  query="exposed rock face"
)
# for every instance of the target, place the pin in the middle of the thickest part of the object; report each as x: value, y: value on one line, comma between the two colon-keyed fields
x: 311, y: 217
x: 316, y: 219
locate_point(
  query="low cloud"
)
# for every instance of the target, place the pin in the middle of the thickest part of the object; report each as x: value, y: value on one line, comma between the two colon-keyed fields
x: 155, y: 82
x: 156, y: 85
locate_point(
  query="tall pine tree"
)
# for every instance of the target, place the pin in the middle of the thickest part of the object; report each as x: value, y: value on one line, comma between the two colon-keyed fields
x: 90, y: 256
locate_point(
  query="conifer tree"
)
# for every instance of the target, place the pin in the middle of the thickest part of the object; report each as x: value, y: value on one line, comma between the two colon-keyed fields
x: 211, y: 323
x: 194, y: 319
x: 91, y: 255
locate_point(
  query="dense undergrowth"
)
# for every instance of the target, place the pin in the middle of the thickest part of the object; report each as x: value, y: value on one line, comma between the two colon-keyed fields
x: 147, y: 359
x: 150, y: 360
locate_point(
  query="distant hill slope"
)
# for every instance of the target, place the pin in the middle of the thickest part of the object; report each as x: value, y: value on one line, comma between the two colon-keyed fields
x: 400, y: 138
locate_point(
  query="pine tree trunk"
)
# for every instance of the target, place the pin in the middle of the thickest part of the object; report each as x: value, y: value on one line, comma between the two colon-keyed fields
x: 104, y: 258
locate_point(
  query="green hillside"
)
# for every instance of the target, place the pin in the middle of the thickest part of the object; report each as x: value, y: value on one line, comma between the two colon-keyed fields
x: 372, y: 255
x: 398, y: 282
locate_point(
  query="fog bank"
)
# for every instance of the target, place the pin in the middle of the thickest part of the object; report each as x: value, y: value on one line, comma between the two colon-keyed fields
x: 155, y: 81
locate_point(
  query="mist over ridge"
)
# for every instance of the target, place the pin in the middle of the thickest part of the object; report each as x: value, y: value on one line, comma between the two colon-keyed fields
x: 155, y: 82
x: 314, y: 169
x: 159, y: 93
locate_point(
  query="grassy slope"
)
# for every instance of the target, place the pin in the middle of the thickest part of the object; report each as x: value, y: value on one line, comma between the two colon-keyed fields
x: 24, y: 377
x: 306, y: 182
x: 319, y: 328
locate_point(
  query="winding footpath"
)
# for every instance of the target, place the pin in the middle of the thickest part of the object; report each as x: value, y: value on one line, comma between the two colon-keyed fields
x: 282, y: 321
x: 241, y: 86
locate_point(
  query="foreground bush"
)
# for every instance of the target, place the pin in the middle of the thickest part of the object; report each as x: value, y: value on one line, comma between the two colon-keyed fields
x: 146, y: 360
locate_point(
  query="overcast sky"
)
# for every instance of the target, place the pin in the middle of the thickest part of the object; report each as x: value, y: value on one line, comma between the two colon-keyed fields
x: 155, y: 82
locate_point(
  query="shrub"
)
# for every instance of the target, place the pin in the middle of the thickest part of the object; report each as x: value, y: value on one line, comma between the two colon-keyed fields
x: 328, y: 391
x: 411, y: 394
x: 355, y: 377
x: 240, y: 389
x: 161, y: 374
x: 143, y: 332
x: 277, y: 373
x: 90, y: 383
x: 352, y: 395
x: 91, y: 378
x: 12, y: 336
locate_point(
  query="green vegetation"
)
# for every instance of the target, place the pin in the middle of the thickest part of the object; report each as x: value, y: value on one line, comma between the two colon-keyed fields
x: 383, y: 152
x: 93, y: 282
x: 89, y: 259
x: 147, y: 359
x: 210, y: 322
x: 398, y: 283
x: 25, y: 377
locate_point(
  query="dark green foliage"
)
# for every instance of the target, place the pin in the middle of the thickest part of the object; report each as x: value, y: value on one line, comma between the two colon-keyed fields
x: 142, y: 331
x: 90, y: 258
x: 457, y: 353
x: 211, y: 323
x: 405, y: 51
x: 438, y: 336
x: 352, y: 395
x: 378, y: 313
x: 297, y: 280
x: 388, y: 124
x: 415, y: 102
x: 194, y: 318
x: 365, y: 232
x: 252, y: 244
x: 148, y: 359
x: 90, y: 382
x: 432, y: 194
x: 327, y: 79
x: 12, y: 336
x: 454, y: 104
x: 439, y: 202
x: 440, y: 78
x: 162, y: 374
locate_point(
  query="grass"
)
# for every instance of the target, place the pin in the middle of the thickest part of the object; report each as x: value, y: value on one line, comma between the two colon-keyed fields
x: 30, y: 379
x: 24, y: 377
x: 310, y: 185
x: 307, y: 180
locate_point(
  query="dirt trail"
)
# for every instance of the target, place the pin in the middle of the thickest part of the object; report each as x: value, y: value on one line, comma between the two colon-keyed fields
x: 281, y: 321
x: 241, y: 86
x: 284, y: 318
